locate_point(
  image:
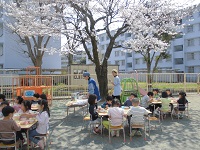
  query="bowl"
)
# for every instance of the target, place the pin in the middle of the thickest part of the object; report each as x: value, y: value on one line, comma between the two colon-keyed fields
x: 102, y: 110
x: 31, y: 121
x: 22, y: 119
x: 16, y: 117
x: 23, y: 122
x: 126, y: 107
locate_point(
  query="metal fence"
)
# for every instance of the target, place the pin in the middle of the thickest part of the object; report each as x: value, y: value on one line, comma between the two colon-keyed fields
x: 64, y: 85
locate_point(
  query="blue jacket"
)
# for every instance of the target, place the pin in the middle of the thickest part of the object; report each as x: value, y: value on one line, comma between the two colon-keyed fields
x: 93, y: 89
x: 104, y: 105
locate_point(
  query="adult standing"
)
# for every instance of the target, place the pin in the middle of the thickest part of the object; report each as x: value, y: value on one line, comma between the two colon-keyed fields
x: 92, y: 86
x: 117, y: 86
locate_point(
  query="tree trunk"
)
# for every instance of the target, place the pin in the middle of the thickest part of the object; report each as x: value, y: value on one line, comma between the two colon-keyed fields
x: 101, y: 72
x: 149, y: 78
x: 70, y: 59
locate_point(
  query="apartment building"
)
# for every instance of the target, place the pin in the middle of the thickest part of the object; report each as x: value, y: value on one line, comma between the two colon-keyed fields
x: 77, y: 58
x: 184, y: 51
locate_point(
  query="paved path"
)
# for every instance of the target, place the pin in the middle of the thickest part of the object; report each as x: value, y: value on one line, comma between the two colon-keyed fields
x: 66, y: 133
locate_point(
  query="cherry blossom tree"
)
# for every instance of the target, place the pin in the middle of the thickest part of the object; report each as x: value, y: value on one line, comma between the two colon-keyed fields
x: 35, y: 25
x: 91, y: 17
x: 154, y: 24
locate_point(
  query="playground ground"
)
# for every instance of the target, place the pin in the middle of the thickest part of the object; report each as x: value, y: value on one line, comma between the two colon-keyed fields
x: 66, y: 133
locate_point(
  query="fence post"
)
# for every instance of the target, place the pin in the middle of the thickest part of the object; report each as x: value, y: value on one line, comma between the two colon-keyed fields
x: 198, y: 84
x: 1, y: 86
x: 52, y: 88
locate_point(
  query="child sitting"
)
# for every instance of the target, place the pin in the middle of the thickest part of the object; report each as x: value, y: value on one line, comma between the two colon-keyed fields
x: 146, y: 100
x: 182, y: 101
x: 25, y: 107
x: 128, y: 102
x: 36, y: 97
x: 156, y: 94
x: 43, y: 123
x: 169, y: 93
x: 2, y: 98
x: 18, y: 102
x: 9, y: 125
x: 2, y: 105
x: 108, y: 102
x: 165, y: 103
x: 116, y: 117
x: 136, y: 115
x: 92, y: 100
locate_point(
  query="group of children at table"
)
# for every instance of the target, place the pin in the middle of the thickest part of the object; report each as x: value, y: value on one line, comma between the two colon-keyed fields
x: 23, y: 107
x: 116, y: 113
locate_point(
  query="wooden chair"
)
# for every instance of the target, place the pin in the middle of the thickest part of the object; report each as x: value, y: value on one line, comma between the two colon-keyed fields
x: 4, y: 140
x: 86, y: 119
x: 42, y: 136
x: 115, y: 128
x: 153, y: 119
x: 138, y: 125
x: 185, y: 111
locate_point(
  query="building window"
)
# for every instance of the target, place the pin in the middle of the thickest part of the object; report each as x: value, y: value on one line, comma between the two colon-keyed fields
x: 189, y: 28
x: 1, y: 11
x: 1, y: 49
x: 179, y: 35
x: 191, y: 69
x: 143, y: 61
x: 168, y: 59
x: 128, y: 35
x: 102, y: 38
x: 190, y: 56
x: 129, y: 54
x: 116, y: 43
x: 116, y: 53
x: 123, y: 62
x: 122, y: 53
x: 129, y: 65
x: 122, y: 34
x: 190, y: 16
x: 116, y: 62
x: 102, y: 47
x: 137, y: 61
x: 190, y: 42
x: 1, y: 30
x: 199, y: 41
x: 178, y: 61
x: 178, y: 48
x: 107, y: 38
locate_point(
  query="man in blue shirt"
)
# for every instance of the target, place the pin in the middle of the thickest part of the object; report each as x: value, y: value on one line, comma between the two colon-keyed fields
x: 92, y: 86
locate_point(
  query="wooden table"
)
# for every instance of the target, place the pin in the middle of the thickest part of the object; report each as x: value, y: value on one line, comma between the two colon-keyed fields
x: 74, y: 104
x: 154, y: 102
x: 105, y: 113
x: 26, y: 127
